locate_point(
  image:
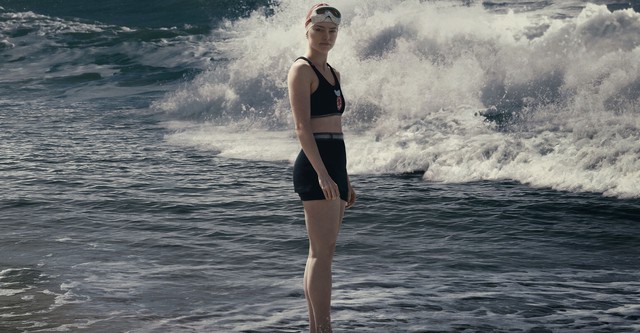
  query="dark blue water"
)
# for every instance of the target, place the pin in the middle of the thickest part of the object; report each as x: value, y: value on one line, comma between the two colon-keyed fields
x: 146, y: 168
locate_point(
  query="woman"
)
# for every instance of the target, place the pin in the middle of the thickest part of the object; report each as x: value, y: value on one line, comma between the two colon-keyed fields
x: 320, y: 173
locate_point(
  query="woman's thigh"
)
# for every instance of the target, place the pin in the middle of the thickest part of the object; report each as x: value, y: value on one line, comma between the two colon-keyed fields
x: 323, y: 219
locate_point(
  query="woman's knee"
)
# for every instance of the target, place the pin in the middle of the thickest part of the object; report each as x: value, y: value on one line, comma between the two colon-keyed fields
x: 324, y: 250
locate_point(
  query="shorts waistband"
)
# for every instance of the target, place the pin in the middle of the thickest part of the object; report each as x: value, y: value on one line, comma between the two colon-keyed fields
x: 328, y: 136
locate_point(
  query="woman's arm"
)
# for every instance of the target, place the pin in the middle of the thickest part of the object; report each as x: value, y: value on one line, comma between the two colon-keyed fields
x: 351, y: 194
x: 299, y: 82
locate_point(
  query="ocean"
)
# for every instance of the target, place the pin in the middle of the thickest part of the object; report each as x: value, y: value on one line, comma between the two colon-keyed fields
x: 147, y: 150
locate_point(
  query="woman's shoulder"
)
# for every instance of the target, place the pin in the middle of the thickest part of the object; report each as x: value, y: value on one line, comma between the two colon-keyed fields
x: 300, y: 67
x: 301, y: 64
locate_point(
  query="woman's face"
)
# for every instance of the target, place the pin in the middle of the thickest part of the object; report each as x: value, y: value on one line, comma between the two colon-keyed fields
x: 322, y: 36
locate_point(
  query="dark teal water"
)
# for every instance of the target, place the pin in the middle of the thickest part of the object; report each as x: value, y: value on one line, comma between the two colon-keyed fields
x: 132, y: 202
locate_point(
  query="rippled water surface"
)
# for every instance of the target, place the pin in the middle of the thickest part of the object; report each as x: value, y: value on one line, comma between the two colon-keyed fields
x: 105, y: 229
x: 146, y: 152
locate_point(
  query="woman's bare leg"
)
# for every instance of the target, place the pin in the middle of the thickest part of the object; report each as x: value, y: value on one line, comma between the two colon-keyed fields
x: 323, y: 220
x: 312, y: 321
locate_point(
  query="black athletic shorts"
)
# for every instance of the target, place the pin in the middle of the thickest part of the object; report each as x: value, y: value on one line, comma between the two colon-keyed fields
x: 334, y: 156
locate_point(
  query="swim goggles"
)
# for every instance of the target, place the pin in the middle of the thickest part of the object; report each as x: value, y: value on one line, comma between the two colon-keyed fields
x: 323, y: 14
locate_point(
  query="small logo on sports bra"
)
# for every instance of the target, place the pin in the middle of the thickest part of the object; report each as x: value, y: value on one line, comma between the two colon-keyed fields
x: 338, y: 99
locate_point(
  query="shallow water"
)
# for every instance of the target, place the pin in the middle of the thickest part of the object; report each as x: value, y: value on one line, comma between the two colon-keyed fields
x: 185, y: 241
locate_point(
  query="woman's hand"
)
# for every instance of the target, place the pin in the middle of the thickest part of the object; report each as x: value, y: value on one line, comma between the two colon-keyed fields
x: 329, y: 187
x: 351, y: 197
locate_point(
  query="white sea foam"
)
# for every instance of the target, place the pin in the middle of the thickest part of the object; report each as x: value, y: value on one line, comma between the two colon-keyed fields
x: 260, y: 145
x: 6, y: 272
x: 8, y: 288
x: 12, y: 292
x: 458, y: 92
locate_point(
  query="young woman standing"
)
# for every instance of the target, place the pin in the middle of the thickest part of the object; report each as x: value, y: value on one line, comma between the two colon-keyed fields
x: 320, y: 172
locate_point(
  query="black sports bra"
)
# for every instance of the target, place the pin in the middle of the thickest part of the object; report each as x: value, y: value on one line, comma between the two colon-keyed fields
x: 327, y: 100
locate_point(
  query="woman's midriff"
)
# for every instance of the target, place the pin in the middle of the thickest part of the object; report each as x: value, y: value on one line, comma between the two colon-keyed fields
x: 330, y: 124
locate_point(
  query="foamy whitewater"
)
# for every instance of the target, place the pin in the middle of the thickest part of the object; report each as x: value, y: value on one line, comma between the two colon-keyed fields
x: 456, y: 92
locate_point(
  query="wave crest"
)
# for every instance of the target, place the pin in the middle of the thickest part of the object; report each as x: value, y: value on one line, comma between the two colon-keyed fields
x: 458, y: 92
